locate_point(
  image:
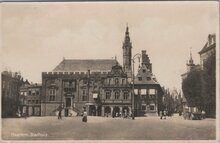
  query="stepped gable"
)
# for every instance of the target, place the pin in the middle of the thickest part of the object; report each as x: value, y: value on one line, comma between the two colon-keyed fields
x: 146, y: 76
x: 71, y: 65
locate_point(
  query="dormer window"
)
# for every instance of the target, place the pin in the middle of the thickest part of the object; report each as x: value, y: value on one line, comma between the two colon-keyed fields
x: 144, y: 71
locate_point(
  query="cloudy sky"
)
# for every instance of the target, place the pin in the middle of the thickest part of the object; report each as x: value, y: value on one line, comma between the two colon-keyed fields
x: 36, y: 36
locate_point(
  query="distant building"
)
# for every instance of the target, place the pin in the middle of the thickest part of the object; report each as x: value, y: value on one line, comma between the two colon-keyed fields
x: 208, y: 49
x: 148, y: 92
x: 116, y: 93
x: 11, y: 83
x: 190, y: 66
x: 30, y: 99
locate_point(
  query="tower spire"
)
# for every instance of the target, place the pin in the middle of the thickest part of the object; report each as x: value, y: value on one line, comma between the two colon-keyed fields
x: 191, y: 59
x: 127, y: 53
x: 190, y: 64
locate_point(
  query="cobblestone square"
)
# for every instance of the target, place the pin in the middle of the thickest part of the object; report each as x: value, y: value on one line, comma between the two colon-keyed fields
x: 102, y: 128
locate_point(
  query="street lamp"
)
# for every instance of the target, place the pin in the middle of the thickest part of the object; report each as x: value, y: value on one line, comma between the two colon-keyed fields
x: 132, y: 72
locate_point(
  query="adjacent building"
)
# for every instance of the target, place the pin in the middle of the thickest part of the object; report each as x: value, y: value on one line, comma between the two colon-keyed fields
x: 11, y: 83
x: 147, y: 90
x: 115, y: 93
x: 208, y: 49
x: 30, y: 99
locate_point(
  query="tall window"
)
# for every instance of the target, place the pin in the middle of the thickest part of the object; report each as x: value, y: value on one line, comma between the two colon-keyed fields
x: 109, y: 81
x: 152, y: 107
x: 126, y: 95
x: 108, y: 95
x: 83, y: 98
x: 33, y: 92
x: 52, y: 93
x: 117, y: 95
x: 143, y: 91
x: 116, y: 81
x: 37, y: 92
x: 84, y: 95
x: 136, y: 91
x: 123, y: 81
x: 152, y: 91
x: 3, y: 84
x: 143, y: 107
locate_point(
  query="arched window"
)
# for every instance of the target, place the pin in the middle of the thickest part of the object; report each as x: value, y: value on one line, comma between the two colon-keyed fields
x: 117, y: 95
x: 116, y: 81
x: 123, y: 81
x: 109, y: 81
x: 108, y: 95
x: 125, y: 95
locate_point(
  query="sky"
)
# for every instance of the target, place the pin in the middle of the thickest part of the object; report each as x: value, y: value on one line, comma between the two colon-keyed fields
x: 36, y: 36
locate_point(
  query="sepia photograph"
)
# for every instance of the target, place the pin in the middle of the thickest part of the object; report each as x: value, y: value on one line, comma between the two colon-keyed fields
x: 110, y: 71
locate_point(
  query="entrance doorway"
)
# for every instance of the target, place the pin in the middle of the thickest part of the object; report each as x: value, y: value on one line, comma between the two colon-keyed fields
x: 116, y: 112
x: 68, y: 102
x: 107, y: 111
x: 125, y: 111
x: 92, y: 110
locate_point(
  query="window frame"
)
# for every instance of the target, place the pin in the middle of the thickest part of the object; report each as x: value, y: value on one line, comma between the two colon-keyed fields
x: 117, y: 95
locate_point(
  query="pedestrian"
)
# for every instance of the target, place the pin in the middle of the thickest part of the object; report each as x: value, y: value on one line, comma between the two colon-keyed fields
x: 165, y: 114
x: 203, y: 114
x: 59, y: 115
x: 161, y: 115
x: 84, y: 119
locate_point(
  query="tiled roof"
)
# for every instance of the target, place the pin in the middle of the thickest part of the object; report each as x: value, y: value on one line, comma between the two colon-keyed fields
x: 146, y: 77
x: 85, y: 65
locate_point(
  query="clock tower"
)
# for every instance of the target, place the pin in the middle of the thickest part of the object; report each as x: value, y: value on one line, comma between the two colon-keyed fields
x: 127, y: 53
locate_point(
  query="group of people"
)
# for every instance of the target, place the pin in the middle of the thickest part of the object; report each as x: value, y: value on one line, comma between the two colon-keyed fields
x: 125, y: 114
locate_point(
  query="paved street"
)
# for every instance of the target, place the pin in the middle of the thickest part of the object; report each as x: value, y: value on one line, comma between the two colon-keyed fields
x: 101, y: 128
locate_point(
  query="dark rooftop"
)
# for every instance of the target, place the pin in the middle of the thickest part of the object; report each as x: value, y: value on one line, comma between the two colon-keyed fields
x: 85, y: 65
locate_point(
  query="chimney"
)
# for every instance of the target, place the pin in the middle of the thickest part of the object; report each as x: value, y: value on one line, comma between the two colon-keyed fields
x: 209, y: 39
x: 144, y: 57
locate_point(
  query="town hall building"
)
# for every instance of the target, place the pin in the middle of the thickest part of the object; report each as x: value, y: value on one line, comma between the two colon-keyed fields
x: 101, y: 86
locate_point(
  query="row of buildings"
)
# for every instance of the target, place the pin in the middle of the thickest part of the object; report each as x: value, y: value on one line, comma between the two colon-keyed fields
x: 101, y: 86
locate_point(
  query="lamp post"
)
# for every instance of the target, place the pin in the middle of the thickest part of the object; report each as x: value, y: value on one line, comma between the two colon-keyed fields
x: 132, y: 72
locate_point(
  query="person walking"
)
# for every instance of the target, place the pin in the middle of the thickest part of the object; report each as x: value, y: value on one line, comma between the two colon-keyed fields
x: 60, y: 115
x: 165, y: 114
x: 60, y: 112
x: 161, y: 115
x: 84, y: 119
